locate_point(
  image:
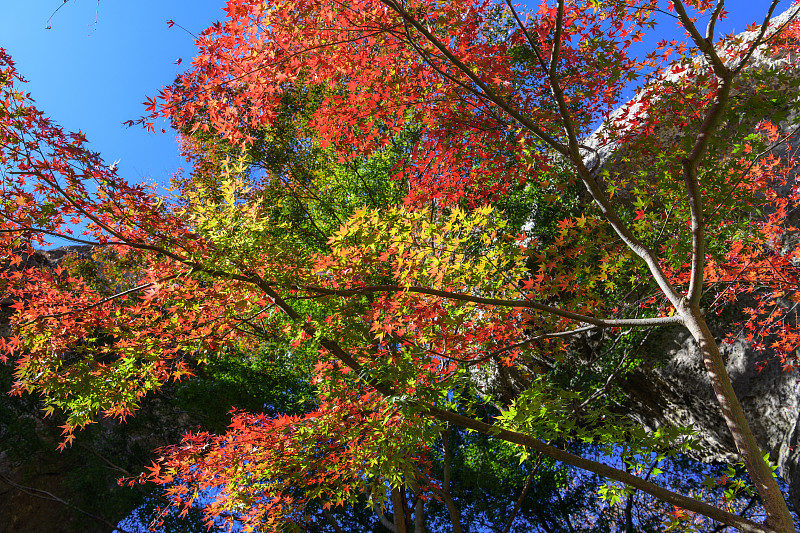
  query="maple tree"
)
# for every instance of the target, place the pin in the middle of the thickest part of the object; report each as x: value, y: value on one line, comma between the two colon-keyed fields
x: 677, y: 208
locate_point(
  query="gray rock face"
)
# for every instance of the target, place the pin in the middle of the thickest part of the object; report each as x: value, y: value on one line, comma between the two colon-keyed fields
x: 680, y: 393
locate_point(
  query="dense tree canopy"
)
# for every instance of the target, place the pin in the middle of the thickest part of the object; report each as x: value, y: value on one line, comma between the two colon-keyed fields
x: 403, y: 203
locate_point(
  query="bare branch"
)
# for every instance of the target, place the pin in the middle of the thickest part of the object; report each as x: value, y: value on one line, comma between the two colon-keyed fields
x: 332, y: 521
x: 758, y: 41
x: 499, y: 101
x: 705, y: 45
x: 385, y: 522
x: 713, y: 20
x: 452, y: 509
x: 105, y: 300
x: 557, y: 39
x: 49, y: 496
x: 690, y: 504
x: 568, y: 333
x: 528, y: 36
x: 598, y: 195
x: 525, y: 304
x: 524, y: 493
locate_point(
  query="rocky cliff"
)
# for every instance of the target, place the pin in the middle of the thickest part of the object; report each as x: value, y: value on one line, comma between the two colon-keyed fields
x: 676, y: 391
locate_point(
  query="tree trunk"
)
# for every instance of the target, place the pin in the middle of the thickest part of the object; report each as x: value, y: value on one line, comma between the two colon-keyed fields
x: 778, y: 516
x: 399, y: 512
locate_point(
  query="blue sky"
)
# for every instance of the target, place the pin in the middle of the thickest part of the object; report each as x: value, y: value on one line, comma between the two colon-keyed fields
x: 92, y: 77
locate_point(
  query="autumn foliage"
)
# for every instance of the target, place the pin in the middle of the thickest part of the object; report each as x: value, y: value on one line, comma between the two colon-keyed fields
x: 679, y: 207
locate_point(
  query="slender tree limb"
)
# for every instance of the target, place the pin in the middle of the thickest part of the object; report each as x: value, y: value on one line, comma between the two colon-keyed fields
x: 690, y: 504
x: 560, y: 334
x: 598, y: 195
x: 758, y: 41
x: 526, y: 304
x: 490, y: 93
x: 706, y: 46
x: 105, y: 300
x: 563, y: 509
x: 385, y: 522
x: 712, y: 22
x: 428, y: 58
x: 528, y: 36
x: 628, y: 512
x: 525, y: 489
x: 559, y: 31
x: 693, y: 193
x: 750, y: 503
x: 49, y: 496
x: 105, y: 459
x: 791, y: 133
x: 332, y: 520
x: 607, y: 384
x: 25, y: 229
x: 498, y: 352
x: 746, y: 526
x: 452, y: 508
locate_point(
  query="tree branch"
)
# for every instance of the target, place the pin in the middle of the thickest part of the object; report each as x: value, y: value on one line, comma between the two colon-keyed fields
x: 601, y: 469
x: 49, y: 496
x: 103, y: 300
x: 332, y: 521
x: 690, y: 504
x: 452, y: 509
x: 493, y: 96
x: 573, y: 153
x: 525, y: 304
x: 518, y: 504
x: 705, y: 45
x: 712, y: 22
x: 759, y: 40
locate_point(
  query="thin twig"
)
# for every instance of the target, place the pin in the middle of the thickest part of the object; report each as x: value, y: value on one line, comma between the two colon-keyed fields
x: 524, y: 493
x: 49, y: 496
